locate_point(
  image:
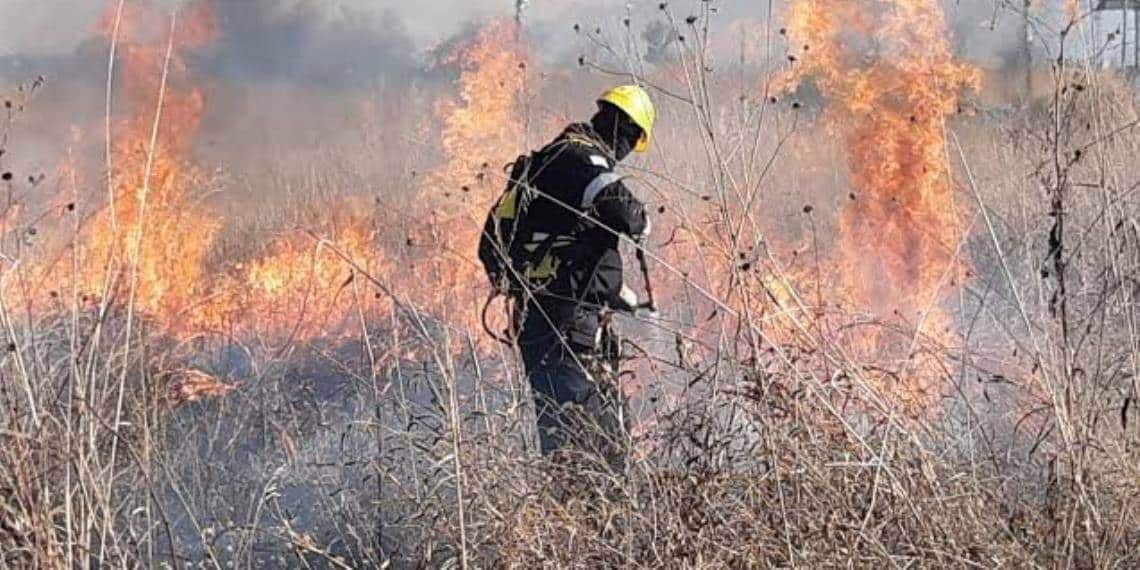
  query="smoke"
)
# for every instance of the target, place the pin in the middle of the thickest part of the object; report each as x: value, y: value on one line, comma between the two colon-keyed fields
x: 40, y: 27
x: 352, y: 40
x: 994, y: 34
x: 269, y: 59
x: 291, y: 74
x: 305, y: 42
x: 309, y: 30
x: 301, y: 41
x: 984, y: 32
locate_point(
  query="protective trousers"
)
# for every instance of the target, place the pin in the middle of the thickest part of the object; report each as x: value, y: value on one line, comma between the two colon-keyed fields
x: 579, y: 406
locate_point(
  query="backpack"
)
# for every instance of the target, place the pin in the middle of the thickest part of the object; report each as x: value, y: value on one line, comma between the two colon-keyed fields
x: 518, y: 255
x: 505, y: 260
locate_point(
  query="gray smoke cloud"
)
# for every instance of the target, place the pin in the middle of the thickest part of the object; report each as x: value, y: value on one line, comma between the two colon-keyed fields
x: 38, y: 27
x: 287, y: 35
x: 305, y: 43
x: 298, y: 68
x: 53, y: 27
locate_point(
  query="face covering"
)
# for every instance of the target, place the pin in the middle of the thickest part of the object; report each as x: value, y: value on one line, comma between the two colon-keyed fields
x: 616, y: 130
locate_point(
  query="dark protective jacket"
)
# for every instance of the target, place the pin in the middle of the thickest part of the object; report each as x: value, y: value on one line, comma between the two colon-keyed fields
x: 577, y: 205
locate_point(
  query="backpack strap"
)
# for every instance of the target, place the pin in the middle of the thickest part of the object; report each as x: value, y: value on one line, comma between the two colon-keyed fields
x: 536, y: 262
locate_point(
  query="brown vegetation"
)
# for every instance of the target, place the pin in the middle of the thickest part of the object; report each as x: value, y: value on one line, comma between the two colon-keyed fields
x: 325, y: 397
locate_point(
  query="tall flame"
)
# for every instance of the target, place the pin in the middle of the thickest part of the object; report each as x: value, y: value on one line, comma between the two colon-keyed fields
x: 890, y: 78
x: 293, y: 287
x: 482, y: 131
x: 173, y: 236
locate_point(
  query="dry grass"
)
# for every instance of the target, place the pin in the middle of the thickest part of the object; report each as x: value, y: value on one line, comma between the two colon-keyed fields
x: 769, y: 440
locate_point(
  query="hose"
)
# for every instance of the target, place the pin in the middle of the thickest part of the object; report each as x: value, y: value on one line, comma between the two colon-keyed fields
x: 483, y: 318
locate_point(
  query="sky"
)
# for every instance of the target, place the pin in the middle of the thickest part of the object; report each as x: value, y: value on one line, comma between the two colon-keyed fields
x: 38, y: 27
x: 311, y: 40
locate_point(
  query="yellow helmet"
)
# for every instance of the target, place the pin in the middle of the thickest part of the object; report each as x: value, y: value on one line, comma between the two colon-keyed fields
x: 634, y: 102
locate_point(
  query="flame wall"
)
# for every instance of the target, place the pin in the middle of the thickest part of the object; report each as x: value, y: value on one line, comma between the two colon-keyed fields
x: 890, y: 80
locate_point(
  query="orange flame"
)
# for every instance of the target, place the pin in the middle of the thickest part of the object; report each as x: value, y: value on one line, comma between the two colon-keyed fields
x: 173, y: 237
x: 482, y: 131
x: 299, y: 287
x: 194, y: 385
x: 891, y: 80
x: 294, y: 287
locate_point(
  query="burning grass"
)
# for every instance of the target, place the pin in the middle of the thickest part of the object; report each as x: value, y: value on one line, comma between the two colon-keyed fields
x: 911, y: 346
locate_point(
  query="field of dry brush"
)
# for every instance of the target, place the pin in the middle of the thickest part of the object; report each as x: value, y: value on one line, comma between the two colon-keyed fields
x: 899, y: 321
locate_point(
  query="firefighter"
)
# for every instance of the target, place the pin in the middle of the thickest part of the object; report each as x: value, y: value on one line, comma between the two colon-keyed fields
x: 552, y: 241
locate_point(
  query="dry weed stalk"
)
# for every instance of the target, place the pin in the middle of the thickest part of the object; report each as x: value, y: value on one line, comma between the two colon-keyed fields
x: 777, y: 443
